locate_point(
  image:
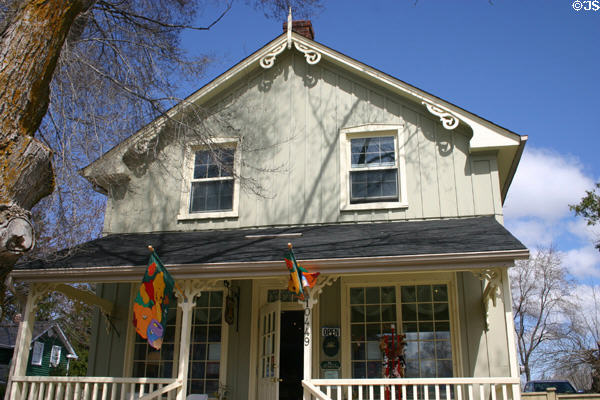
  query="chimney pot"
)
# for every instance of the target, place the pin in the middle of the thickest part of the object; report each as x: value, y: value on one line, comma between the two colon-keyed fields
x: 301, y: 27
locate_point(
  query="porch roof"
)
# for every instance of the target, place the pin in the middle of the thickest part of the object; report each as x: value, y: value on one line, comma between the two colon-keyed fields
x: 464, y: 236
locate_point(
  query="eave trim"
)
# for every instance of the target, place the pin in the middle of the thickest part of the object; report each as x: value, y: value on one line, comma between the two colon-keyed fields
x: 261, y: 269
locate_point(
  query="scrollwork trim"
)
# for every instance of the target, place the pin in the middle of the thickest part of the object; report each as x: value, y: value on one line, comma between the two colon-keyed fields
x: 449, y: 121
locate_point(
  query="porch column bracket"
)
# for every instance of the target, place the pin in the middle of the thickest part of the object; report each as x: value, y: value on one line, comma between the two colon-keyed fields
x: 38, y: 291
x: 191, y: 288
x: 311, y: 55
x: 492, y: 279
x: 316, y: 290
x: 107, y: 307
x: 449, y: 121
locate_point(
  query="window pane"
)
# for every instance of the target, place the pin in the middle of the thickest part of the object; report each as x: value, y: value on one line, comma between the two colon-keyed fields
x: 357, y: 314
x: 372, y: 152
x: 424, y: 293
x: 215, y: 164
x: 372, y: 186
x: 409, y: 312
x: 372, y: 295
x: 408, y: 294
x: 357, y: 332
x: 211, y: 196
x: 388, y: 295
x: 358, y: 351
x: 357, y: 296
x: 440, y: 293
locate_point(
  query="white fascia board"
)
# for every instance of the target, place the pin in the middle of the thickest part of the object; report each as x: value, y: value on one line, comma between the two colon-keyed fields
x: 263, y: 269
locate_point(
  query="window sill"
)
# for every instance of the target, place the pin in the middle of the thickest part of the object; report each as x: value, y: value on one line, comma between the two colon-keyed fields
x: 384, y: 205
x: 207, y: 215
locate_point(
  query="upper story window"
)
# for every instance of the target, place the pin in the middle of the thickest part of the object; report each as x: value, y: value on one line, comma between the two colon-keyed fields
x: 212, y: 183
x: 372, y: 167
x: 210, y: 187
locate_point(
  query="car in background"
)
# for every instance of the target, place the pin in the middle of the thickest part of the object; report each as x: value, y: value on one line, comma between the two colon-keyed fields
x: 564, y: 387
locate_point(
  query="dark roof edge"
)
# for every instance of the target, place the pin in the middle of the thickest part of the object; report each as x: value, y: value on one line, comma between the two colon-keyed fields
x: 260, y: 269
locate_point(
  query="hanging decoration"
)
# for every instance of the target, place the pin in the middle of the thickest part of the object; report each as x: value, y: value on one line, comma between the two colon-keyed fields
x: 150, y: 307
x: 394, y: 363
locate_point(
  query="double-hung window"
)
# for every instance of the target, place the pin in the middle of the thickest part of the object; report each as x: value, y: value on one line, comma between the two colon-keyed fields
x: 210, y: 189
x: 372, y: 172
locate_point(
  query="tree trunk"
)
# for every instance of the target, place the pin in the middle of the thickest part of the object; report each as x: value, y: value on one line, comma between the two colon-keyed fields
x: 30, y: 45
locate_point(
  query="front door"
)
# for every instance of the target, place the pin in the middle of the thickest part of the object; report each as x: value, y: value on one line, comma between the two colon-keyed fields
x: 268, y: 361
x: 292, y: 355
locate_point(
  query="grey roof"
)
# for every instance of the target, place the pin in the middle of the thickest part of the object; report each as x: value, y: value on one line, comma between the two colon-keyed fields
x: 481, y: 234
x: 8, y: 335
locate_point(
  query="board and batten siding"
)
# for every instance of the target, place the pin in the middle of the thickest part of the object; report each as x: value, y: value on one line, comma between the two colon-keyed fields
x: 289, y: 119
x: 108, y: 344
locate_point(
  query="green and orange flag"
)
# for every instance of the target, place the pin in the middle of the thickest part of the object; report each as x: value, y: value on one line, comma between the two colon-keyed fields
x: 300, y: 278
x: 151, y: 304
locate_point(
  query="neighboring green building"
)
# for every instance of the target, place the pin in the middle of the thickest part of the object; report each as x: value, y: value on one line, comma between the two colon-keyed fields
x: 49, y: 354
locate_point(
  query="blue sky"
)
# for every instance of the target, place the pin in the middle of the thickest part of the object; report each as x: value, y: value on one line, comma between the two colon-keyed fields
x: 529, y: 66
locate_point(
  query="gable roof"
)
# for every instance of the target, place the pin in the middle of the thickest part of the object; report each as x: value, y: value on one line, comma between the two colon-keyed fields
x: 486, y: 135
x: 247, y: 253
x: 8, y: 335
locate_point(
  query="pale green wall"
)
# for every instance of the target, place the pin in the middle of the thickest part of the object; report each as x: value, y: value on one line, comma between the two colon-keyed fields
x: 238, y: 357
x: 289, y: 118
x: 484, y: 352
x: 330, y: 311
x: 107, y: 350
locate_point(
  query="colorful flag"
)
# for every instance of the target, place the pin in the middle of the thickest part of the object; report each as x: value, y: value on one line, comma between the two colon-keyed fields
x: 299, y: 277
x: 151, y: 304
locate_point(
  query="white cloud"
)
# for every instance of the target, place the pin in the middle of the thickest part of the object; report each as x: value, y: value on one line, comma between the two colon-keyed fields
x: 582, y: 230
x: 532, y: 232
x: 545, y: 184
x: 537, y: 210
x: 583, y: 262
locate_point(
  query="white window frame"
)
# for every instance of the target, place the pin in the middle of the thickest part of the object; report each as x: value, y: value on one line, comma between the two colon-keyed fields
x: 55, y: 355
x: 37, y: 355
x: 372, y: 130
x: 188, y: 175
x: 448, y: 279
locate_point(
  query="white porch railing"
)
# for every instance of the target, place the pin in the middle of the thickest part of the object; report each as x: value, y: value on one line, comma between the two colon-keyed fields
x: 413, y: 389
x: 92, y: 388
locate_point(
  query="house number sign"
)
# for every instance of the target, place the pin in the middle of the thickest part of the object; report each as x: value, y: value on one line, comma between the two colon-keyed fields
x: 307, y: 326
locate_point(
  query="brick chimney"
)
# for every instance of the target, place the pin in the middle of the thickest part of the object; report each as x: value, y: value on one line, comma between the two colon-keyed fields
x: 301, y: 27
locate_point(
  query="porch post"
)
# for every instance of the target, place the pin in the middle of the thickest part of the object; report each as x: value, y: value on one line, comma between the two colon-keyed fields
x: 190, y: 290
x: 307, y: 365
x: 510, y: 333
x: 24, y: 336
x: 187, y: 305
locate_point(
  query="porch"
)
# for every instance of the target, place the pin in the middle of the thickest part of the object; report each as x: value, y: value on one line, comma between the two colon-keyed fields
x: 95, y: 388
x: 263, y: 299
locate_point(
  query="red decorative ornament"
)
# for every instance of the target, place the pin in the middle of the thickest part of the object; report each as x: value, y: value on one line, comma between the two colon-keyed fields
x: 394, y: 364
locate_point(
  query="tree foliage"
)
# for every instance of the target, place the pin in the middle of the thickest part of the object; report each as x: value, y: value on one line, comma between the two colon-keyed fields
x: 589, y: 207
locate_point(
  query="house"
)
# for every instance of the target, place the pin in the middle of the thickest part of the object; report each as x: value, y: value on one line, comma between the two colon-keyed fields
x: 50, y: 351
x: 394, y: 195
